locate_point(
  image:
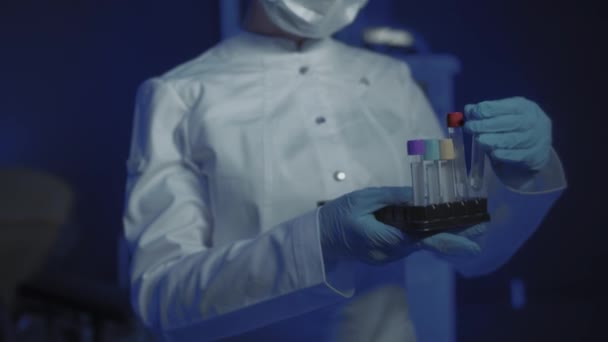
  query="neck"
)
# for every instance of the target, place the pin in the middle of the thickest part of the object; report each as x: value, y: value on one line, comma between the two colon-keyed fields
x: 257, y: 21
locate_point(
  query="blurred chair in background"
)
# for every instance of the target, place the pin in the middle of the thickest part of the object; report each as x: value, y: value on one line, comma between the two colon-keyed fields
x: 40, y: 298
x: 33, y: 207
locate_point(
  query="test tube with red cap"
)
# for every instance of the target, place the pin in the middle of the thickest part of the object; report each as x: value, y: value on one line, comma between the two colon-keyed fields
x: 455, y: 122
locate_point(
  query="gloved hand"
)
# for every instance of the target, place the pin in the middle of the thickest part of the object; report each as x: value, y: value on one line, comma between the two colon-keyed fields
x: 515, y: 132
x: 349, y: 229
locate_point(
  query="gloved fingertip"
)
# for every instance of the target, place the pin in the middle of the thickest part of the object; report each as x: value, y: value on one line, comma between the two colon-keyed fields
x: 474, y: 250
x: 378, y: 255
x: 470, y: 249
x: 478, y: 229
x: 497, y: 154
x: 400, y: 235
x: 449, y: 244
x: 470, y: 111
x: 486, y: 140
x: 396, y: 235
x: 505, y: 156
x: 470, y: 126
x: 473, y: 231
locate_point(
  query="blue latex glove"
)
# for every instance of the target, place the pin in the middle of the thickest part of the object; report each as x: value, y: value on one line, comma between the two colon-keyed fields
x: 515, y: 132
x: 349, y: 230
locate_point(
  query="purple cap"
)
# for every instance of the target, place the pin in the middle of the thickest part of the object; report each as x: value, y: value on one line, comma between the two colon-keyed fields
x: 415, y: 147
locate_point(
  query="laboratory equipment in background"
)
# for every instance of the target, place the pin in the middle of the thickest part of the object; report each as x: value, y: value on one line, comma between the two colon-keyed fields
x: 40, y: 298
x: 451, y: 201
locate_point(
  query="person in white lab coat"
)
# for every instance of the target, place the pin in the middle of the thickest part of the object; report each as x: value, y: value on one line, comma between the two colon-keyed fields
x: 232, y: 151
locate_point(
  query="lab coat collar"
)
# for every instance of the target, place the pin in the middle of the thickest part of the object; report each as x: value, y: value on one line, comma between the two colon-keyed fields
x: 285, y: 45
x: 252, y: 45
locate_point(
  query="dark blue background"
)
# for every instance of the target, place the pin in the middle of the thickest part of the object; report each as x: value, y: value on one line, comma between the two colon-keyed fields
x: 69, y: 70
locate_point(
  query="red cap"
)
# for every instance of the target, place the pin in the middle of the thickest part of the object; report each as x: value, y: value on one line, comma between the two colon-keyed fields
x: 455, y: 119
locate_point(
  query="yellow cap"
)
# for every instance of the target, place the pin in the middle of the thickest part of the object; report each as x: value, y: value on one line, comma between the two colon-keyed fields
x: 446, y: 149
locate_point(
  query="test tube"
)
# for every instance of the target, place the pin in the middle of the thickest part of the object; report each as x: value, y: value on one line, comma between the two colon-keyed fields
x: 431, y: 175
x: 478, y: 157
x: 455, y: 122
x: 446, y: 170
x: 415, y: 150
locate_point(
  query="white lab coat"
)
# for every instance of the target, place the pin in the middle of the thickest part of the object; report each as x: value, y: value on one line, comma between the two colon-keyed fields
x: 231, y: 153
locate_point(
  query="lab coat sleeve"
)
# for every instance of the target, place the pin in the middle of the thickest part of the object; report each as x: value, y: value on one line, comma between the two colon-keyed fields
x: 183, y: 287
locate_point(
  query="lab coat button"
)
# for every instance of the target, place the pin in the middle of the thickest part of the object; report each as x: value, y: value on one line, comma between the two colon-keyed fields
x: 303, y: 70
x: 339, y: 176
x: 320, y: 120
x: 364, y: 81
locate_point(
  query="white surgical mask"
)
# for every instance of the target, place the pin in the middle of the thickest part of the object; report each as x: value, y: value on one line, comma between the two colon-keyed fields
x: 312, y: 18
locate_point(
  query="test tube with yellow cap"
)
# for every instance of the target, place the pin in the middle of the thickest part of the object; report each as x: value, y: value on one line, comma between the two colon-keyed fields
x: 431, y: 174
x: 446, y: 170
